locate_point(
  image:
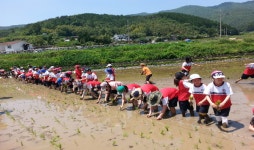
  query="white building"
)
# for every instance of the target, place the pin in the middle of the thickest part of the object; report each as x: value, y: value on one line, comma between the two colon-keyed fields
x: 14, y: 47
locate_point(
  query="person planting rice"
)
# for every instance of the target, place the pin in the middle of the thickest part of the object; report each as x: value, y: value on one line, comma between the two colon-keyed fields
x: 167, y: 97
x: 218, y: 95
x: 202, y: 105
x: 248, y: 72
x: 139, y: 95
x: 122, y: 90
x: 183, y: 85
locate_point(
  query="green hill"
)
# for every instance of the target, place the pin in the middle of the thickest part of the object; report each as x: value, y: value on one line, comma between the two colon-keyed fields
x: 238, y: 15
x: 91, y: 29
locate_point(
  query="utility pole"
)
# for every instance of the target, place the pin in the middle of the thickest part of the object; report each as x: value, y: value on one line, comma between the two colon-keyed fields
x: 220, y: 23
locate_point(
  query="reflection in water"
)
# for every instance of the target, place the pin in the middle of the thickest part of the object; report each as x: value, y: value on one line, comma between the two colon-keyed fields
x: 248, y: 90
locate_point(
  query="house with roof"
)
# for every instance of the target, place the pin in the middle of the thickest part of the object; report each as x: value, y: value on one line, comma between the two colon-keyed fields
x: 15, y: 47
x: 121, y: 37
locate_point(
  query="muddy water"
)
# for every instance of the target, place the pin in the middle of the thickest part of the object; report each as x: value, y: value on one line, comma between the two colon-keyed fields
x: 33, y: 117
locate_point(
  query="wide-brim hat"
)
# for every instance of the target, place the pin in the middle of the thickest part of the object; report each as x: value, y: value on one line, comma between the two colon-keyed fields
x: 109, y: 65
x: 194, y: 76
x: 217, y: 74
x: 154, y: 98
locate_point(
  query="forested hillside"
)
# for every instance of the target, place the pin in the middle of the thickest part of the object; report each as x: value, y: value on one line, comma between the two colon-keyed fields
x: 238, y: 15
x: 94, y: 29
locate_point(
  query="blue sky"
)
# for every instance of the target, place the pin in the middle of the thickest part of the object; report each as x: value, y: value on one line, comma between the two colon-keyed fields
x: 15, y: 12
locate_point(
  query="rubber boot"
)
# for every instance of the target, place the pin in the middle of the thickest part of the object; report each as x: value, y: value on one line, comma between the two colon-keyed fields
x: 192, y: 113
x: 199, y: 119
x: 173, y: 111
x: 207, y: 119
x: 183, y: 113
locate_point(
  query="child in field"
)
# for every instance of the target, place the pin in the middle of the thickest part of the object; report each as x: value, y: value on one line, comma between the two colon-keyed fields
x: 110, y: 73
x: 248, y: 72
x: 218, y: 95
x: 139, y: 95
x: 147, y: 72
x: 186, y: 66
x: 169, y: 101
x: 202, y: 105
x: 122, y: 90
x: 183, y: 94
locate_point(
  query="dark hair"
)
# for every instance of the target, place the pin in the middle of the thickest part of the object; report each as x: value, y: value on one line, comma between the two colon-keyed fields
x: 188, y: 59
x: 178, y: 77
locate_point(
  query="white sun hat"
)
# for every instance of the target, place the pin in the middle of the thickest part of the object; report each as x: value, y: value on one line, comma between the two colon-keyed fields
x: 194, y: 76
x: 109, y: 65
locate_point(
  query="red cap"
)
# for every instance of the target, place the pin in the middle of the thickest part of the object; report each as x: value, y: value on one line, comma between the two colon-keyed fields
x: 253, y: 110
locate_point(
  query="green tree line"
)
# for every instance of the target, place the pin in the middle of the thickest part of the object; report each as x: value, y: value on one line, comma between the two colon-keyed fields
x: 94, y: 29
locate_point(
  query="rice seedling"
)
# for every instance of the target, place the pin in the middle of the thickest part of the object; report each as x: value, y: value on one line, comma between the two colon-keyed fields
x: 78, y: 131
x: 9, y: 115
x: 114, y: 143
x: 196, y: 128
x: 196, y: 146
x: 33, y: 120
x: 189, y: 135
x: 199, y: 140
x: 125, y: 135
x: 58, y: 121
x: 162, y: 132
x: 21, y: 143
x: 142, y: 135
x: 55, y: 142
x: 42, y: 136
x: 167, y: 128
x: 218, y: 145
x: 243, y: 144
x: 134, y: 132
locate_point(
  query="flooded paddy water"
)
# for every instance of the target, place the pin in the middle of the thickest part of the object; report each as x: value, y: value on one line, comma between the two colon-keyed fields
x: 33, y: 117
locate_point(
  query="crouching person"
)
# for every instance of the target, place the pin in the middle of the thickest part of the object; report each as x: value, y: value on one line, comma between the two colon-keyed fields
x: 153, y: 101
x: 91, y: 88
x: 169, y: 101
x: 122, y: 90
x: 109, y: 89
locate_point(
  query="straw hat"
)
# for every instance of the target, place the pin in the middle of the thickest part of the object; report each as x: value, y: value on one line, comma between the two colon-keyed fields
x: 154, y: 98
